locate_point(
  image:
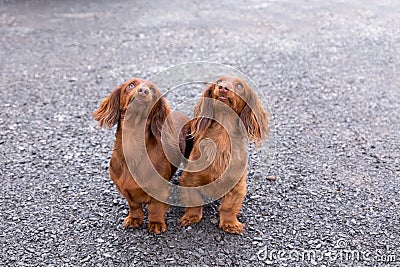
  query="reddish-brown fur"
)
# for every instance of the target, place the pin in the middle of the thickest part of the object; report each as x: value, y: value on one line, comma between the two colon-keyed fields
x: 113, y: 111
x: 254, y: 127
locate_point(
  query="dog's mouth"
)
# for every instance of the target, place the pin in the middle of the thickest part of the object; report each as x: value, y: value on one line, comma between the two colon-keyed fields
x: 224, y: 99
x: 141, y: 99
x: 137, y: 99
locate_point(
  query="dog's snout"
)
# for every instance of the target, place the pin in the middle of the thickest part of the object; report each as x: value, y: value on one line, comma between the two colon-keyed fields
x: 224, y: 86
x: 143, y: 91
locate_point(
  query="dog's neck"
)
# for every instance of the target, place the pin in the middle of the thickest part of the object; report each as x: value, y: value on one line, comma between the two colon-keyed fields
x: 228, y: 119
x: 137, y: 111
x: 134, y: 136
x: 133, y: 126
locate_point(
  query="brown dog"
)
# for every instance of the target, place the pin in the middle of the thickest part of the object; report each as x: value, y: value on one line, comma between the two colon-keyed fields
x: 150, y: 111
x: 228, y: 113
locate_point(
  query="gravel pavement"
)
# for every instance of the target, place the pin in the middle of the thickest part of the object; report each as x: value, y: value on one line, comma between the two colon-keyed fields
x: 330, y: 70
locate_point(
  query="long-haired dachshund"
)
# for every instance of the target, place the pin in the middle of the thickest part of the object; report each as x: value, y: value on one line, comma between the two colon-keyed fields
x: 148, y: 113
x: 228, y: 113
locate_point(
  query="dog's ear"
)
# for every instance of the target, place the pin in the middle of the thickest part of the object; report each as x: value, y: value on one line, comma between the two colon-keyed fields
x: 254, y: 118
x: 203, y: 112
x: 159, y: 115
x: 109, y: 113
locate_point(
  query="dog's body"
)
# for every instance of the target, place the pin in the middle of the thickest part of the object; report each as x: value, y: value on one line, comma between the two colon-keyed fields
x: 148, y: 113
x: 228, y: 113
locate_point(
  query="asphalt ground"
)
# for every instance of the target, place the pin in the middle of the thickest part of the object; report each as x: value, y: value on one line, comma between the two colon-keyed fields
x: 330, y: 73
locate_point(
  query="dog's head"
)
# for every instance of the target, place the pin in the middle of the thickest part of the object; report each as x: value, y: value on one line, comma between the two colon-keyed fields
x: 144, y: 98
x: 115, y: 105
x: 148, y: 102
x: 237, y: 95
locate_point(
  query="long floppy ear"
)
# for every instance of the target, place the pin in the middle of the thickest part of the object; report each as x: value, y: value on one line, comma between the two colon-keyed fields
x: 203, y: 113
x: 159, y: 115
x: 254, y: 118
x: 108, y: 114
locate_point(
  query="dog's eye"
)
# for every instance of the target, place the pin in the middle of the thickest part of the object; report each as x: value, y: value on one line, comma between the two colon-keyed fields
x: 152, y: 90
x: 132, y: 85
x: 239, y: 86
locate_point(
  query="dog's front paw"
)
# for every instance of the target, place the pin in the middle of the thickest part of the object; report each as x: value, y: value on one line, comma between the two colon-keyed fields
x: 187, y: 220
x: 157, y: 227
x: 232, y: 227
x: 132, y: 222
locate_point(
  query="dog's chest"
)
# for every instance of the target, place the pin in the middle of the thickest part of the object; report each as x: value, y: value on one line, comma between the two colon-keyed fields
x: 223, y: 147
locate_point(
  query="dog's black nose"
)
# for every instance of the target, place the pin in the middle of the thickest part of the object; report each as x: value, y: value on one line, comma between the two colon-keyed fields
x: 143, y: 91
x: 223, y: 88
